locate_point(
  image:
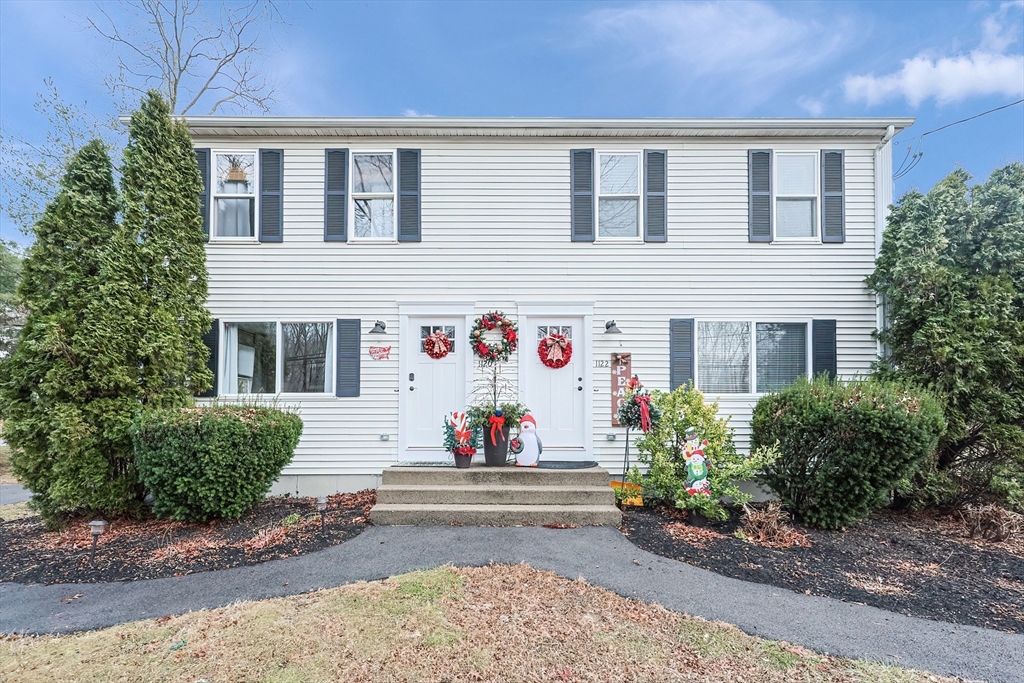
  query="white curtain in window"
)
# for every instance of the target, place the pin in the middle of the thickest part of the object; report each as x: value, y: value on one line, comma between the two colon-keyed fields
x: 723, y: 357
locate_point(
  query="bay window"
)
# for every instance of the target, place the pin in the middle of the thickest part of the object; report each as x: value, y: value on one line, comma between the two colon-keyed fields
x: 278, y: 357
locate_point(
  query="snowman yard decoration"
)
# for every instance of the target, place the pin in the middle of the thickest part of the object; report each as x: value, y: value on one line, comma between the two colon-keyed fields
x: 696, y: 465
x: 532, y: 447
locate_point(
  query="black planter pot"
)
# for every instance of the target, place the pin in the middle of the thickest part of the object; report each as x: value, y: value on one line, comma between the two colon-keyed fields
x: 463, y: 461
x: 496, y: 455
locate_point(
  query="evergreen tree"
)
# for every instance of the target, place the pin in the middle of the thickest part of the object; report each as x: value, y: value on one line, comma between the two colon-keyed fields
x: 116, y: 318
x: 60, y: 448
x: 952, y: 270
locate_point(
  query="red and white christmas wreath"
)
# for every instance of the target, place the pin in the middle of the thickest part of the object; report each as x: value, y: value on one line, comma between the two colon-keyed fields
x: 437, y: 345
x: 555, y: 351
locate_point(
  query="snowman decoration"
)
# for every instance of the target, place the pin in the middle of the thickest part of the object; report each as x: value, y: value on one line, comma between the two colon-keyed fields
x: 696, y: 465
x: 532, y: 447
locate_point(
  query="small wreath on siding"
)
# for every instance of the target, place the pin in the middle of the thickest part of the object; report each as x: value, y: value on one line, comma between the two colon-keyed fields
x: 498, y: 352
x: 555, y: 351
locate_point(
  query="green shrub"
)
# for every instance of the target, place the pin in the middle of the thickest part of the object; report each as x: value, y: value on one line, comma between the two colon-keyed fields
x: 661, y: 450
x: 844, y: 448
x: 201, y: 463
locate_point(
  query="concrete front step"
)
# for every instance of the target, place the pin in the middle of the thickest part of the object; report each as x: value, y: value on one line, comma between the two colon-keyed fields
x: 481, y: 474
x: 492, y: 494
x: 494, y: 515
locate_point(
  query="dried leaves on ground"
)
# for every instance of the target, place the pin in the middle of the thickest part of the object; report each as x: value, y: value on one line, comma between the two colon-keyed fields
x: 150, y: 548
x: 923, y: 565
x: 496, y: 623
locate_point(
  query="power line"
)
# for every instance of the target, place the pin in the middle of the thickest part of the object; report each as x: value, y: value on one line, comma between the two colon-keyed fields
x: 910, y: 162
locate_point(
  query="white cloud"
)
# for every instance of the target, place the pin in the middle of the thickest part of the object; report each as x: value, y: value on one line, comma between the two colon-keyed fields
x: 416, y: 114
x: 812, y: 106
x: 751, y: 44
x: 987, y: 70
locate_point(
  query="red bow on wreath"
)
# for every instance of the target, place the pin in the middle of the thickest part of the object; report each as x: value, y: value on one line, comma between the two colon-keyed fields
x: 497, y: 423
x: 645, y: 412
x: 556, y: 344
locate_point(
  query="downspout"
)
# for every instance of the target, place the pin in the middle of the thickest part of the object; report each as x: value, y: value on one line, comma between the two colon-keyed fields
x: 884, y: 192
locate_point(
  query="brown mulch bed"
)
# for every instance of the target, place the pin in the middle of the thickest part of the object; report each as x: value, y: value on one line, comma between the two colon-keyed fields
x: 922, y: 565
x: 150, y: 548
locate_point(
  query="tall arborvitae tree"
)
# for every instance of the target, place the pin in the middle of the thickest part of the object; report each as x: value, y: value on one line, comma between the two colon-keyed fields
x: 61, y: 448
x: 161, y: 321
x: 116, y: 318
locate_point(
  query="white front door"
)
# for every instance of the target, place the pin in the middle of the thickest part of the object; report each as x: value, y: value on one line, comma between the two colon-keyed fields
x: 556, y: 396
x: 432, y: 387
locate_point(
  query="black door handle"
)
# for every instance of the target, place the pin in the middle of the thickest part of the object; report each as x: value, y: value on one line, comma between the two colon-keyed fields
x: 579, y: 388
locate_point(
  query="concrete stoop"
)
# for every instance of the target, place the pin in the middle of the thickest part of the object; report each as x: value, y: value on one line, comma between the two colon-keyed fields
x: 492, y: 496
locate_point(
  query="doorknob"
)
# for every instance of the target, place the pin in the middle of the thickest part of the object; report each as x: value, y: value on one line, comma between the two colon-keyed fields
x: 579, y: 388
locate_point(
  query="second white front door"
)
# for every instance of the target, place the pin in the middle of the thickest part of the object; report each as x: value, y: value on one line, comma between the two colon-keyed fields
x: 555, y: 396
x: 433, y: 387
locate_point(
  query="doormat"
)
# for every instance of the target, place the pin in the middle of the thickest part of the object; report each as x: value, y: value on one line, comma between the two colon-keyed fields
x: 566, y: 464
x: 427, y: 463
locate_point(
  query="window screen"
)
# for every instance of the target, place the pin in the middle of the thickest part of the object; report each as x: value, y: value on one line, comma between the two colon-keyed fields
x: 781, y: 354
x: 723, y: 357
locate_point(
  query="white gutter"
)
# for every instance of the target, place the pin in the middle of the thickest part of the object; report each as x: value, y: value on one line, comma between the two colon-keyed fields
x: 885, y: 189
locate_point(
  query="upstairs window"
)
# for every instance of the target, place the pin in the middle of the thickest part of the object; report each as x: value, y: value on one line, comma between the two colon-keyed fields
x: 235, y: 195
x: 373, y: 196
x: 618, y: 199
x: 796, y: 195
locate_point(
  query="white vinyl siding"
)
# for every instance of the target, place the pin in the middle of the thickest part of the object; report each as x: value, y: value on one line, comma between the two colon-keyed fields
x: 495, y: 215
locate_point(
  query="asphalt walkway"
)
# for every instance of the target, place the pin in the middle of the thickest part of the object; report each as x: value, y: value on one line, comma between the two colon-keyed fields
x: 600, y: 555
x: 13, y: 493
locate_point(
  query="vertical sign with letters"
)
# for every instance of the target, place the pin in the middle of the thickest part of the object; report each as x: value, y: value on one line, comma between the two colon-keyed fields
x: 622, y: 370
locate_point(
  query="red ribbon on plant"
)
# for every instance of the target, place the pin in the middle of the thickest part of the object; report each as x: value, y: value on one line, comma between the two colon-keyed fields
x: 645, y: 412
x: 496, y: 423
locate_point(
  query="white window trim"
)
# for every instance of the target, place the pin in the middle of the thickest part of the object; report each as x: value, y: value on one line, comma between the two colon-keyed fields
x: 330, y: 369
x: 393, y: 195
x: 752, y: 325
x: 214, y: 237
x: 639, y: 238
x: 815, y: 214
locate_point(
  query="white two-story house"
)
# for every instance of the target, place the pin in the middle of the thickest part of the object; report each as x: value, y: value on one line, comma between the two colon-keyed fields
x: 727, y: 252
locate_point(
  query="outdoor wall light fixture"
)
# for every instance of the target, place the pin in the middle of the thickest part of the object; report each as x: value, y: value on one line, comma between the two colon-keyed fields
x: 611, y: 328
x: 96, y: 527
x: 610, y: 437
x: 321, y: 505
x: 379, y: 327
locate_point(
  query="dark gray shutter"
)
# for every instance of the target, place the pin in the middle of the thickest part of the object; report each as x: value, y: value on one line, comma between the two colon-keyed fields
x: 655, y: 195
x: 212, y: 341
x: 581, y: 190
x: 271, y: 195
x: 680, y: 343
x: 833, y: 212
x: 409, y: 219
x: 347, y: 333
x: 759, y: 171
x: 335, y: 195
x: 823, y: 347
x: 203, y: 161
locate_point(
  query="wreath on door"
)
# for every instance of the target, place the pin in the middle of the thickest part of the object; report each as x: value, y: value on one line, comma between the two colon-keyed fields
x: 498, y: 352
x: 555, y: 350
x: 437, y: 345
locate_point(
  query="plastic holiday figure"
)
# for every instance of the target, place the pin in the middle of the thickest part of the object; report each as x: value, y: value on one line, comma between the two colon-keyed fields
x: 532, y: 447
x: 696, y: 465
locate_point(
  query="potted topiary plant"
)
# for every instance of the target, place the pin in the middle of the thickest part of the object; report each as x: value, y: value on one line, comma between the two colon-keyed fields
x: 496, y: 422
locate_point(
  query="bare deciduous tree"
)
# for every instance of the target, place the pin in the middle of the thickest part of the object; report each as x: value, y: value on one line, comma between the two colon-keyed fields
x: 196, y: 57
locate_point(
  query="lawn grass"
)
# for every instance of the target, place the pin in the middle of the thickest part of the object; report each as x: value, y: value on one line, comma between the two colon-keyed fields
x: 6, y: 475
x: 497, y: 623
x: 9, y: 513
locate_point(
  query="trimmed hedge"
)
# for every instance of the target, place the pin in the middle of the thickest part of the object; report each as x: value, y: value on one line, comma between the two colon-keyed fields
x: 844, y: 448
x: 219, y: 461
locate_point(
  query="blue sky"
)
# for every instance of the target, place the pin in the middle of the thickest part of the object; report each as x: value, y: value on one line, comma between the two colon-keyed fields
x: 937, y: 61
